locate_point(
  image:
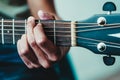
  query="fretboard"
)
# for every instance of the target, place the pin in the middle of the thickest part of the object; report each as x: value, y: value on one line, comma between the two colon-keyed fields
x: 59, y: 32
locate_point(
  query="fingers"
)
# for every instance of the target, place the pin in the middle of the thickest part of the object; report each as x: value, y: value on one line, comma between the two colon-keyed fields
x: 26, y: 54
x: 32, y: 42
x: 46, y: 45
x: 34, y: 48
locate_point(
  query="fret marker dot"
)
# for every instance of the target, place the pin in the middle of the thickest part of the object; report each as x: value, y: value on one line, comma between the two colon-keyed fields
x: 8, y: 31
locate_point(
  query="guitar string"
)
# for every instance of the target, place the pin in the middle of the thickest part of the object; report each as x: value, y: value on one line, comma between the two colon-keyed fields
x: 106, y: 25
x: 86, y: 30
x: 52, y: 22
x: 22, y: 26
x: 47, y: 21
x: 21, y: 30
x: 96, y: 40
x: 100, y: 29
x: 90, y: 39
x: 113, y: 24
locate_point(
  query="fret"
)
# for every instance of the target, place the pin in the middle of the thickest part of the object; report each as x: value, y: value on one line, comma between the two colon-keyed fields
x: 19, y: 29
x: 48, y: 23
x: 58, y: 31
x: 63, y: 32
x: 39, y: 21
x: 54, y: 32
x: 25, y: 26
x: 13, y: 30
x: 2, y: 31
x: 8, y: 29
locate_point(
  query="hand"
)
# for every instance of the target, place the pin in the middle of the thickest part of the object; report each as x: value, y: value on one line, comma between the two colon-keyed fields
x: 35, y: 49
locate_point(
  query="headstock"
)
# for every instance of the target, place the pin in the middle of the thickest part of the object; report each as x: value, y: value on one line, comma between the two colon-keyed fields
x: 101, y: 33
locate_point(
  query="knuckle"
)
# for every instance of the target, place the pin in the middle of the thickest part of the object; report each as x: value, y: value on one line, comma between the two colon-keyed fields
x: 37, y: 66
x: 30, y: 20
x: 54, y: 58
x: 24, y: 52
x: 23, y: 36
x: 18, y: 42
x: 41, y: 41
x: 46, y: 64
x: 39, y: 25
x: 30, y: 66
x: 32, y: 43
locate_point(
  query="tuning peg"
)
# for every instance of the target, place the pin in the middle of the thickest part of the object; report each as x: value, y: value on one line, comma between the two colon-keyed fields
x: 109, y: 6
x: 108, y: 60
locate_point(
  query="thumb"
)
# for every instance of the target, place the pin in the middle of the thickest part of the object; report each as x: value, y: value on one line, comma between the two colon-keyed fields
x: 45, y: 16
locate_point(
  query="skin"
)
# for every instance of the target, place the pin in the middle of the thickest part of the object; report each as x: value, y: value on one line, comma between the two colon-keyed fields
x: 37, y: 50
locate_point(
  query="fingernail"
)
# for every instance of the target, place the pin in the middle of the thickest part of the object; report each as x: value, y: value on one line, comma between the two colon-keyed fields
x: 30, y: 18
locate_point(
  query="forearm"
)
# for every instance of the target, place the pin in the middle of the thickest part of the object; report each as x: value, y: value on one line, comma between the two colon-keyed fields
x: 45, y: 5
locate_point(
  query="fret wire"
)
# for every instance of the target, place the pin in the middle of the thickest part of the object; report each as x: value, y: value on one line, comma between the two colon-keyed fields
x: 25, y: 26
x: 2, y: 31
x: 54, y: 33
x: 13, y: 31
x: 39, y: 21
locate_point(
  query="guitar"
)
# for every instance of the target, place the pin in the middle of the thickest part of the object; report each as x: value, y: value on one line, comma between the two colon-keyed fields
x: 100, y: 33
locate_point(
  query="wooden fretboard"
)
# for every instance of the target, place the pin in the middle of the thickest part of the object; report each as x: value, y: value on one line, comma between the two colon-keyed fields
x: 57, y: 31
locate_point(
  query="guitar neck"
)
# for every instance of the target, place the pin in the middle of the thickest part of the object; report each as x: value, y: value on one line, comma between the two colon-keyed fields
x: 57, y: 31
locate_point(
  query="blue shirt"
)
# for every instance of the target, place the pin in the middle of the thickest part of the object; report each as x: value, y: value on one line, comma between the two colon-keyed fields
x: 9, y: 9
